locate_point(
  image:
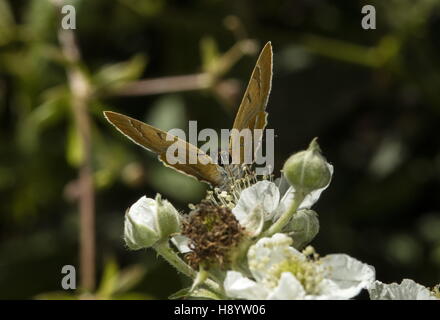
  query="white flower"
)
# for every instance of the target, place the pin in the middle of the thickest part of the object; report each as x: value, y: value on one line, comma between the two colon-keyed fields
x: 406, y: 290
x: 280, y: 272
x: 256, y: 205
x: 149, y: 220
x: 265, y: 201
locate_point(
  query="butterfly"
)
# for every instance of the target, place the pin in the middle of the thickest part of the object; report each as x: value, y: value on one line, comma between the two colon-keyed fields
x: 250, y: 115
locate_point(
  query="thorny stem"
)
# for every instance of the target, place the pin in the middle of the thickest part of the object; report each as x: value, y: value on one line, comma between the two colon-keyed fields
x: 286, y: 216
x: 80, y: 96
x: 172, y: 258
x: 170, y: 255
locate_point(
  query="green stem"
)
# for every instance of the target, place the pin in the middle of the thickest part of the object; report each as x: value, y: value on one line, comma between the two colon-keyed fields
x: 172, y: 257
x: 286, y: 216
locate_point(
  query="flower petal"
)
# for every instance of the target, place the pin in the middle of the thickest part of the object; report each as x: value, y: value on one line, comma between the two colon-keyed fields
x: 289, y: 288
x: 269, y: 252
x: 264, y: 193
x: 182, y: 243
x: 254, y: 221
x: 129, y: 236
x: 144, y: 212
x: 140, y: 225
x: 406, y: 290
x: 345, y: 276
x: 238, y: 286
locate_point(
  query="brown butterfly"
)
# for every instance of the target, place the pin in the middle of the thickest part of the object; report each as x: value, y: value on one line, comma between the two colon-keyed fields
x: 251, y: 115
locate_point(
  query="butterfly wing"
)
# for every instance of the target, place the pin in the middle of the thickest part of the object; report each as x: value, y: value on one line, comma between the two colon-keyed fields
x: 251, y: 113
x: 155, y: 140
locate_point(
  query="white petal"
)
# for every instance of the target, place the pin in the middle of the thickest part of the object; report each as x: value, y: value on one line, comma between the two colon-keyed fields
x: 144, y: 212
x: 140, y: 225
x: 406, y: 290
x: 289, y: 288
x: 181, y: 243
x: 308, y: 201
x: 254, y: 222
x: 264, y: 193
x: 238, y: 286
x: 129, y: 236
x: 345, y: 276
x: 268, y: 252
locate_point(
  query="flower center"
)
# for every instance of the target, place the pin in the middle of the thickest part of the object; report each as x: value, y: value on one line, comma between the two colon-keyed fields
x: 213, y: 232
x: 239, y: 177
x: 306, y: 271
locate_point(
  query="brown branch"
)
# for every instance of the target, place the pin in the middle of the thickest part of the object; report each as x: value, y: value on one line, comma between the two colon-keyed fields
x: 199, y: 81
x: 80, y: 95
x: 165, y: 84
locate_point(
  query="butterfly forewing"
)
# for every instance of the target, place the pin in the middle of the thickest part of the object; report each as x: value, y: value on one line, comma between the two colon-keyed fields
x: 251, y: 113
x: 155, y: 140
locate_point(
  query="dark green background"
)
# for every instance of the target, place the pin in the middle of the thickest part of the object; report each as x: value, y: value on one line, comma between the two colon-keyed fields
x: 371, y: 96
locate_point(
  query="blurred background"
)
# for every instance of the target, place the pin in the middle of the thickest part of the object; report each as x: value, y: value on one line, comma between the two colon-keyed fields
x: 371, y: 96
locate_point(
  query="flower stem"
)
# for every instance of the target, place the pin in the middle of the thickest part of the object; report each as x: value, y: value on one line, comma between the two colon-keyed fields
x: 172, y: 258
x: 286, y: 216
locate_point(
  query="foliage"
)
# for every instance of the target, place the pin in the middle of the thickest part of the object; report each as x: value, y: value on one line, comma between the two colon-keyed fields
x: 371, y: 97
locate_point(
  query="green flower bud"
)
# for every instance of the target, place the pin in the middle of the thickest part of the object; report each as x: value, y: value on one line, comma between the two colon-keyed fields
x: 168, y: 217
x: 302, y: 228
x: 307, y: 170
x: 148, y: 221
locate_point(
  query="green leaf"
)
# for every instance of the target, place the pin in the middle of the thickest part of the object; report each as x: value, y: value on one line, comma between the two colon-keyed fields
x: 182, y: 293
x: 109, y: 280
x: 133, y: 296
x: 145, y: 8
x: 199, y: 293
x: 167, y: 113
x: 40, y: 20
x: 209, y: 52
x: 174, y: 184
x: 56, y: 295
x: 43, y: 116
x: 111, y: 161
x: 7, y: 24
x: 74, y: 150
x: 130, y: 277
x: 112, y: 77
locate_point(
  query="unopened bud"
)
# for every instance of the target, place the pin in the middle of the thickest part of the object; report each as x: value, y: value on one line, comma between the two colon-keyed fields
x: 168, y: 217
x: 302, y: 228
x: 148, y: 221
x: 307, y: 170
